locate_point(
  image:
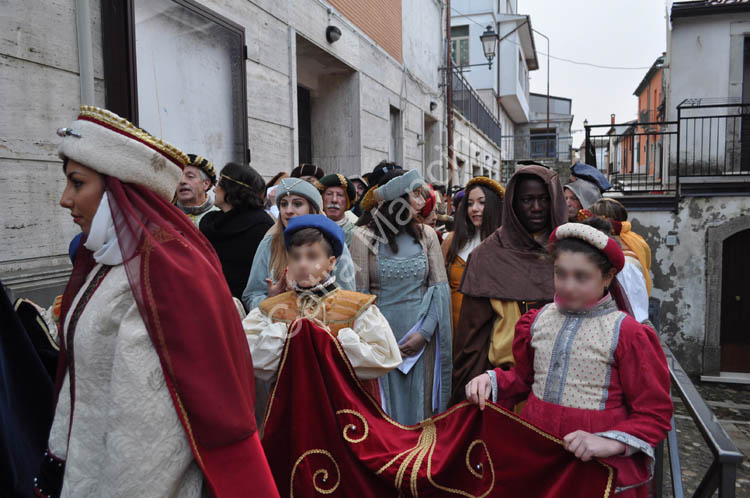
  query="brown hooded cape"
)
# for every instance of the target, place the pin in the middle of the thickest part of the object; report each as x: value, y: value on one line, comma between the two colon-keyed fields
x: 509, y: 265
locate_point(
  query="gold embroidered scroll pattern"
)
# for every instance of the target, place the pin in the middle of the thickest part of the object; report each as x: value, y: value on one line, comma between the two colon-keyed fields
x: 425, y: 444
x: 353, y: 427
x: 321, y: 473
x: 424, y: 449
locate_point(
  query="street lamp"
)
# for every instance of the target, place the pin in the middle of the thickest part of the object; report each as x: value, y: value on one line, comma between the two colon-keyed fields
x: 489, y: 41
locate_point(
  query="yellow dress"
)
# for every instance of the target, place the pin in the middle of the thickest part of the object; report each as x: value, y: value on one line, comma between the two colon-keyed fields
x: 455, y: 272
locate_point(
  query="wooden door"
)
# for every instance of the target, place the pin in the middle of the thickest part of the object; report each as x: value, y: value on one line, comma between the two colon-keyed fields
x: 735, y: 303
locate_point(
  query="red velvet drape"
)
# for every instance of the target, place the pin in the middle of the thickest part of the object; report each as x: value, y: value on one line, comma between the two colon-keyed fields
x: 325, y: 434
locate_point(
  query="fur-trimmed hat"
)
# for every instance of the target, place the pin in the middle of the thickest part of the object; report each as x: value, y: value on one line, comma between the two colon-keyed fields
x: 592, y: 236
x: 204, y: 165
x: 339, y: 180
x: 111, y: 145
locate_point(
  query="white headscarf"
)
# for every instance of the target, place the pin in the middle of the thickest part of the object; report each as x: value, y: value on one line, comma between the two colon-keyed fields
x: 102, y: 239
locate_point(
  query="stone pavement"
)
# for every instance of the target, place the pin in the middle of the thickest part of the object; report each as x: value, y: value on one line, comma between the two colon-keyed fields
x: 731, y: 405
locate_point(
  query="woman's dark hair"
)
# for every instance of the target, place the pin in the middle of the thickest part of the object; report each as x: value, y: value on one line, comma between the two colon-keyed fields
x: 310, y: 236
x: 464, y: 229
x: 610, y: 208
x: 276, y: 179
x: 580, y: 246
x: 242, y: 185
x: 388, y: 221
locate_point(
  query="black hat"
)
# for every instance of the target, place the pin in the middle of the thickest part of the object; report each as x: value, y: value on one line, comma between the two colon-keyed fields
x: 308, y: 170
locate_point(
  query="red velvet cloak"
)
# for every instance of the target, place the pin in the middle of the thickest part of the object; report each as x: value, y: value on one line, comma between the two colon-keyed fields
x: 325, y: 435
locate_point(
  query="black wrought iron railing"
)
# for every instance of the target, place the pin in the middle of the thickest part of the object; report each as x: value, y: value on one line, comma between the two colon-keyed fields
x: 722, y: 473
x: 714, y: 137
x: 708, y: 143
x: 470, y: 105
x: 637, y: 156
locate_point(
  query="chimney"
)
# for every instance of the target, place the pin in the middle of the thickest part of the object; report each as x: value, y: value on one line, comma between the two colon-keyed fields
x: 612, y: 118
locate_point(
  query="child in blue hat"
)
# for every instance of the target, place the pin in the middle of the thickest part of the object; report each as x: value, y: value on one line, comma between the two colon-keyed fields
x: 314, y: 242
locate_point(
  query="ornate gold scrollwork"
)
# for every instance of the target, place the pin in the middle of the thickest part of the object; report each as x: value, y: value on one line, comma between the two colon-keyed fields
x: 353, y: 428
x: 321, y: 473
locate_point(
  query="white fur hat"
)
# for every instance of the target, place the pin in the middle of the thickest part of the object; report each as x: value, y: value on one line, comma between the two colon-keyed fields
x: 111, y: 145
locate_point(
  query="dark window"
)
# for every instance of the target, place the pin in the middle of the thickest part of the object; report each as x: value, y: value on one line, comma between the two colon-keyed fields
x: 304, y: 124
x: 460, y: 45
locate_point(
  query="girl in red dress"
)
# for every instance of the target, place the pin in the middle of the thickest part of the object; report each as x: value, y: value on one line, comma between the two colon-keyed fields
x: 591, y: 374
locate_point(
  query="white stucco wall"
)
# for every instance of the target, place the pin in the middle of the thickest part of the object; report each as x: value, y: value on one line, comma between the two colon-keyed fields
x: 699, y: 58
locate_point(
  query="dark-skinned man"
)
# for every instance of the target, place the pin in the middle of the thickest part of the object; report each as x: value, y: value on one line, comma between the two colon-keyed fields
x: 507, y: 275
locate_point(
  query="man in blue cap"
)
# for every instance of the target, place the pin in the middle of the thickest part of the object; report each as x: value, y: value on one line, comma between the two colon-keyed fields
x: 314, y: 242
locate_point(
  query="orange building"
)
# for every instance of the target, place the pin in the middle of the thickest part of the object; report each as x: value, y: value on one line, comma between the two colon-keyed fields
x: 650, y: 115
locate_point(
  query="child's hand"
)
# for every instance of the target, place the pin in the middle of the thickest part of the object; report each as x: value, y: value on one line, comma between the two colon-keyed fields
x: 587, y: 446
x: 413, y: 345
x: 479, y: 390
x: 274, y: 289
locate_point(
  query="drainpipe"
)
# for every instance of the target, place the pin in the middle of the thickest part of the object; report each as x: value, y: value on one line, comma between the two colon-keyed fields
x: 449, y: 94
x: 85, y: 57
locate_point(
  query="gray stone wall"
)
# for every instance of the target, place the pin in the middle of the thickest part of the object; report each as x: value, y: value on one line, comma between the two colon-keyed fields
x: 683, y: 276
x: 41, y: 91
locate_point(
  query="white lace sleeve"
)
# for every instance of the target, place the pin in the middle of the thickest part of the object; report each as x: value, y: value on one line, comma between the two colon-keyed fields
x: 370, y: 346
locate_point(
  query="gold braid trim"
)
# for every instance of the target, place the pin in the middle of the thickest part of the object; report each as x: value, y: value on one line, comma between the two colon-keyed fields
x: 487, y: 182
x: 369, y: 201
x: 235, y: 181
x: 113, y: 120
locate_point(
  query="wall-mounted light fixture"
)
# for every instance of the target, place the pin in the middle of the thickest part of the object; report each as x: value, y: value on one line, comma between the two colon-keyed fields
x: 433, y: 105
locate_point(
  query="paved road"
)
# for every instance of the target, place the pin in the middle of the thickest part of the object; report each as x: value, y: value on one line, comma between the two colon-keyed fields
x: 731, y: 405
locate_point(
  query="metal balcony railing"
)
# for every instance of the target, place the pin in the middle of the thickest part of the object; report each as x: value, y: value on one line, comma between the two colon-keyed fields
x: 470, y: 105
x: 714, y: 137
x: 538, y: 146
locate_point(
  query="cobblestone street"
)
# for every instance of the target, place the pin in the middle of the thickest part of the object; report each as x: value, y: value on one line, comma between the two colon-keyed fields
x: 731, y: 405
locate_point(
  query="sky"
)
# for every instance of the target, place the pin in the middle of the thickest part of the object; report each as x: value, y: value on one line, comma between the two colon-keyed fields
x: 623, y: 33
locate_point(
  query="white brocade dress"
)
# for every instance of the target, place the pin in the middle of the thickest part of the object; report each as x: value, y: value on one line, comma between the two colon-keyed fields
x: 124, y: 438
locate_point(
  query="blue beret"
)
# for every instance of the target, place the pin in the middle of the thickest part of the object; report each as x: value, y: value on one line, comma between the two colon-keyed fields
x: 330, y: 230
x: 591, y: 174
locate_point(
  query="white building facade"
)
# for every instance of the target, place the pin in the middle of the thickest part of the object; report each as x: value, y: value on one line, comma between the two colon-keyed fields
x: 504, y: 89
x: 266, y: 82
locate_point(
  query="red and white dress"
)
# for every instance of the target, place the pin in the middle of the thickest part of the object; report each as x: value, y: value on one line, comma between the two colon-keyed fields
x: 598, y: 371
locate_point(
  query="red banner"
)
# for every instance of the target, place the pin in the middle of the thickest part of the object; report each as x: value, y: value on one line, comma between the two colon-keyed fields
x: 324, y: 434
